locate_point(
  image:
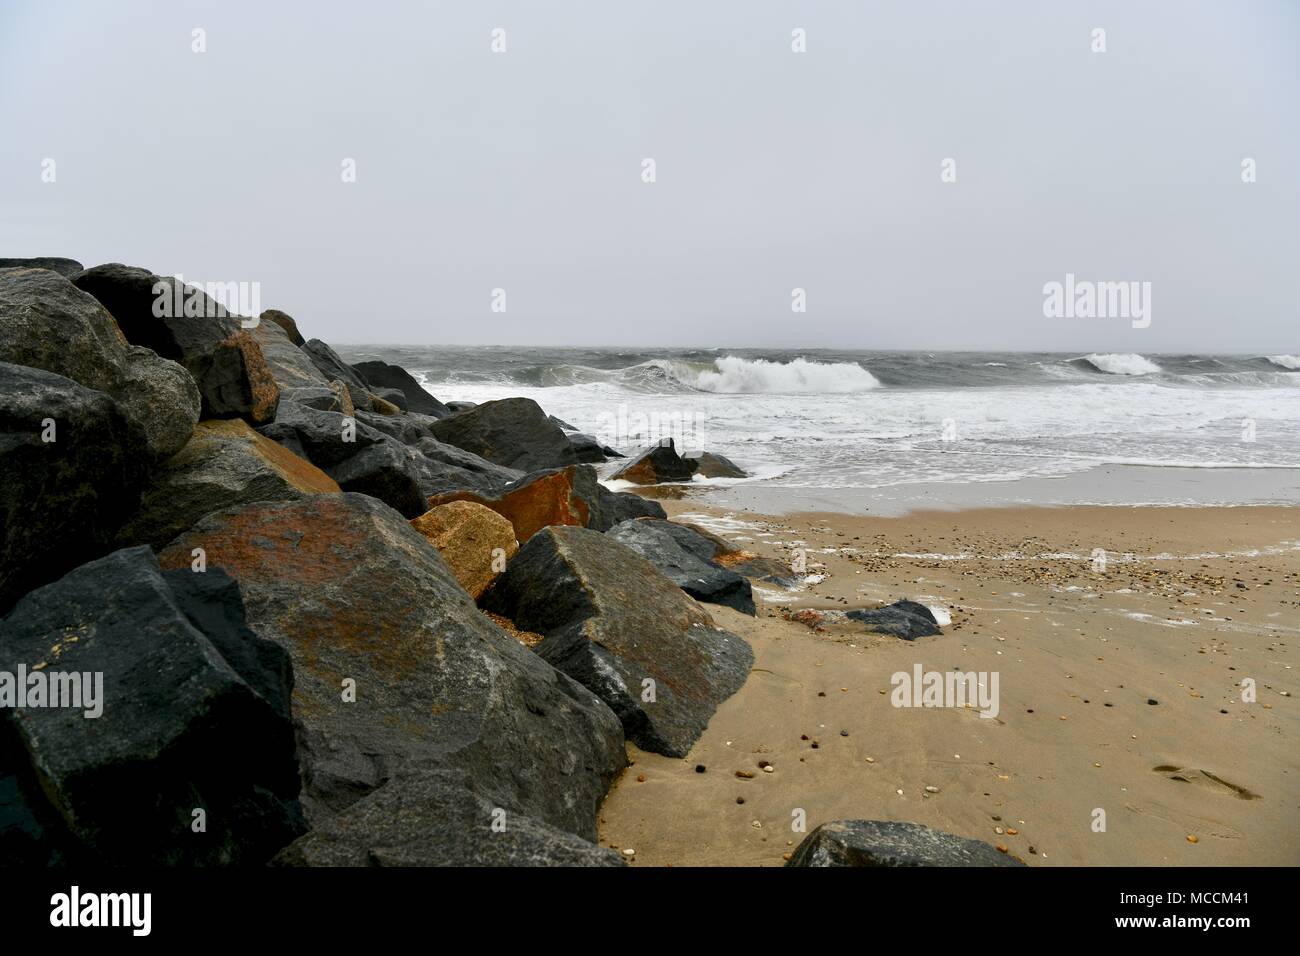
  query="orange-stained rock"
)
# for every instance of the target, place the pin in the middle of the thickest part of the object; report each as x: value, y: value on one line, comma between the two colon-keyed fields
x: 548, y: 498
x: 263, y: 392
x: 224, y: 464
x: 474, y: 540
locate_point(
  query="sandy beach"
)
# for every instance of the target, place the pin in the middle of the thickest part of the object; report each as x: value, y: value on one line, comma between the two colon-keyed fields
x: 1119, y: 691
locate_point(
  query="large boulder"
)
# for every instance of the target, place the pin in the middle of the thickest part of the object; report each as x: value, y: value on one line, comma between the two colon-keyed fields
x: 711, y: 465
x: 72, y: 466
x: 513, y: 432
x: 225, y: 361
x: 177, y: 747
x: 64, y: 267
x: 290, y: 366
x: 387, y: 470
x: 708, y: 546
x: 439, y: 818
x: 473, y: 539
x: 382, y: 375
x: 588, y: 448
x: 225, y: 464
x: 703, y: 580
x: 906, y: 619
x: 332, y: 367
x: 451, y: 468
x: 660, y: 462
x: 559, y: 496
x: 46, y: 322
x: 394, y: 666
x: 881, y: 843
x: 612, y: 622
x: 325, y: 438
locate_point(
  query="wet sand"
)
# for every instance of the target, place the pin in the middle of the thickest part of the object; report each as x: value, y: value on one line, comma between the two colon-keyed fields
x: 1190, y: 601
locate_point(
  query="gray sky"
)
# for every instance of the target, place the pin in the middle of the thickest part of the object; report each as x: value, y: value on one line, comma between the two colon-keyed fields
x: 775, y: 170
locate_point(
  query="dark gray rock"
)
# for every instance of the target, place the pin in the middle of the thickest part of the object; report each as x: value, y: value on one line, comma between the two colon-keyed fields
x: 716, y: 466
x: 708, y: 546
x: 225, y: 361
x: 64, y: 267
x: 181, y: 726
x: 320, y: 397
x: 46, y: 322
x: 878, y: 843
x: 587, y: 448
x: 290, y: 366
x: 447, y: 468
x: 322, y: 437
x: 391, y: 395
x: 660, y: 462
x: 354, y: 593
x: 382, y: 375
x: 612, y: 621
x: 906, y: 619
x: 438, y: 818
x: 703, y: 580
x: 561, y: 423
x: 329, y: 364
x: 513, y: 432
x: 61, y: 501
x: 409, y: 429
x: 387, y: 470
x: 456, y: 407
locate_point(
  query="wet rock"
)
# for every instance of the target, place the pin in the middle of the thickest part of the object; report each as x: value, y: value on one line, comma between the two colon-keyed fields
x: 387, y: 470
x: 660, y: 462
x: 513, y: 432
x: 225, y: 463
x: 587, y: 448
x: 906, y: 619
x: 64, y: 267
x: 474, y: 540
x: 383, y: 375
x: 181, y: 726
x: 711, y: 465
x: 613, y: 622
x: 361, y: 600
x: 61, y: 500
x: 877, y: 843
x: 703, y: 580
x: 439, y: 819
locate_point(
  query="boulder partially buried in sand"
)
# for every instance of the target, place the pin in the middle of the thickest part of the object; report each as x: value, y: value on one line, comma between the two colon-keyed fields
x: 395, y: 667
x: 615, y: 624
x: 880, y: 843
x: 473, y: 539
x: 906, y: 619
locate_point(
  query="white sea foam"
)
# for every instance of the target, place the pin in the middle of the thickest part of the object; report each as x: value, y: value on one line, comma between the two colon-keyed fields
x: 1286, y: 361
x: 1121, y: 363
x: 734, y: 375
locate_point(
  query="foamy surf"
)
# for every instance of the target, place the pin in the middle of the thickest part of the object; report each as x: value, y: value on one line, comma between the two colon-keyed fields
x: 1121, y: 363
x: 733, y: 375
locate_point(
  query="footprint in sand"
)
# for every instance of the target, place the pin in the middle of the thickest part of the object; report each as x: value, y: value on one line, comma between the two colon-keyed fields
x: 1205, y: 780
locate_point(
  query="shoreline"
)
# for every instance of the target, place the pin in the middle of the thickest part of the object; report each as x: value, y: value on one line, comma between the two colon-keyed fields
x: 1190, y: 600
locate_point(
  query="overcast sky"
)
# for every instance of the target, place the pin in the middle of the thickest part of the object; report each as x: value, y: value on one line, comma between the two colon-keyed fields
x: 774, y: 170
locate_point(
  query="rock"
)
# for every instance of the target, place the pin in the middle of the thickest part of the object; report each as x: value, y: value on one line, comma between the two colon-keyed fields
x: 587, y: 448
x: 710, y: 547
x: 456, y: 407
x: 450, y: 468
x: 162, y: 397
x: 438, y: 818
x: 64, y: 267
x: 409, y: 428
x: 225, y: 361
x: 613, y: 507
x: 391, y: 397
x: 532, y: 503
x: 382, y: 406
x: 474, y: 540
x: 660, y: 462
x: 513, y: 432
x: 181, y: 725
x: 322, y: 437
x: 285, y: 322
x: 225, y: 464
x: 386, y: 470
x: 716, y: 466
x: 382, y: 375
x: 329, y: 364
x: 612, y: 621
x: 702, y: 580
x: 46, y: 322
x: 61, y: 501
x: 906, y: 619
x: 561, y: 423
x: 877, y: 843
x: 355, y: 594
x: 290, y: 366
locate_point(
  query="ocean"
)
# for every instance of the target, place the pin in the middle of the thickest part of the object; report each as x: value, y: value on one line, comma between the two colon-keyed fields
x: 839, y: 419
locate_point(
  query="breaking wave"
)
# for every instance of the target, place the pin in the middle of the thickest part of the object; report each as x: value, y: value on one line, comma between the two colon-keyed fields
x: 1121, y: 363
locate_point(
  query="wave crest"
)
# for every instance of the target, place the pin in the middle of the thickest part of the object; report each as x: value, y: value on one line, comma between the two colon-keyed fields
x: 733, y: 375
x: 1290, y: 362
x: 1121, y: 363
